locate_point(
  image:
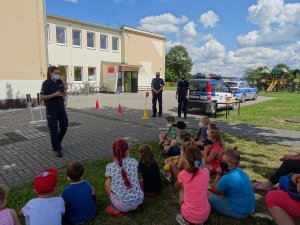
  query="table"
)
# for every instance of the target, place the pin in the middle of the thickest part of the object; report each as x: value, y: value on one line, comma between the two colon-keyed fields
x: 227, y: 103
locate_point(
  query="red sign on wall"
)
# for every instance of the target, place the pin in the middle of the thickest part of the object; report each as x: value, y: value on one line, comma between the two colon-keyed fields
x: 111, y: 69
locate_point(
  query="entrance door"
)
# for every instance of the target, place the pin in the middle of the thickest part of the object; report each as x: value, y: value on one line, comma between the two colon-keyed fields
x: 127, y: 81
x: 63, y: 71
x: 134, y: 82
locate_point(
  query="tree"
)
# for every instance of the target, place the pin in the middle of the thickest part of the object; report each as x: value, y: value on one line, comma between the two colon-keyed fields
x: 177, y: 61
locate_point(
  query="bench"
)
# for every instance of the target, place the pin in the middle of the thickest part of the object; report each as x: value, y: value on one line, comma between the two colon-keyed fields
x: 144, y: 88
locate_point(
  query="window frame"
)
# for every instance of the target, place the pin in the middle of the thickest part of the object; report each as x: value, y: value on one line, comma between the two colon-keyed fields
x: 77, y: 46
x: 94, y: 40
x: 104, y: 49
x: 78, y: 81
x: 65, y: 31
x: 95, y: 74
x: 112, y: 43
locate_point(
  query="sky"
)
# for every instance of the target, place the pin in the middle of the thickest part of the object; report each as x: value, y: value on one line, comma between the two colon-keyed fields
x: 222, y: 36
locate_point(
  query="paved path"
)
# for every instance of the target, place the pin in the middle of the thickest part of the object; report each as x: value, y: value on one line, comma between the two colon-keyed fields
x: 25, y: 147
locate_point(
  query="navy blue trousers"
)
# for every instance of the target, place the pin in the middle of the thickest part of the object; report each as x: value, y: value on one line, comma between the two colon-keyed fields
x: 58, y: 124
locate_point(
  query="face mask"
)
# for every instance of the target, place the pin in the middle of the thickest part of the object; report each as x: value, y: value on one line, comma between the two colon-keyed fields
x: 182, y: 78
x: 207, y: 132
x: 169, y: 125
x: 56, y: 76
x: 200, y: 124
x: 224, y: 166
x: 157, y: 77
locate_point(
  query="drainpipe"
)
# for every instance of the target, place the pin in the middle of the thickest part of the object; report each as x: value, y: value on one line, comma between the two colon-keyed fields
x: 46, y: 32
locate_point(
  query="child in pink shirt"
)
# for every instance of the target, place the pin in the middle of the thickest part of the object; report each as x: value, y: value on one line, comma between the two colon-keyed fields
x: 212, y: 154
x: 193, y: 189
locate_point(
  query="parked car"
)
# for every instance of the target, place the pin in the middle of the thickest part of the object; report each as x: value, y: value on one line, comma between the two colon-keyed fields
x: 243, y: 90
x: 199, y: 96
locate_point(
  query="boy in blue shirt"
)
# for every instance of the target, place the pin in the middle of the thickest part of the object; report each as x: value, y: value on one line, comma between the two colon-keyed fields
x: 79, y: 196
x: 233, y: 192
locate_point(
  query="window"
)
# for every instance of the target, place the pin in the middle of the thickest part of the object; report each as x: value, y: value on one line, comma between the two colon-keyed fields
x: 103, y: 41
x: 77, y: 73
x: 76, y: 37
x: 61, y: 35
x: 115, y: 43
x: 90, y: 40
x: 92, y: 73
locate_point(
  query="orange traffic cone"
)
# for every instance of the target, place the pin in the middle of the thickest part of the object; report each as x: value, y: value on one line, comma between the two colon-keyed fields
x: 97, y: 105
x: 120, y: 109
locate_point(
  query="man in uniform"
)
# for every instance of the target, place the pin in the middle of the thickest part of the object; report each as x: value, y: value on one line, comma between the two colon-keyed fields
x: 157, y: 86
x: 182, y: 94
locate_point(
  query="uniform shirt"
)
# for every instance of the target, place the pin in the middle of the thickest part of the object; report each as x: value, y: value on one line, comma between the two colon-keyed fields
x: 157, y: 83
x: 128, y: 196
x: 44, y: 211
x: 49, y: 87
x: 182, y: 88
x: 80, y: 205
x: 151, y: 177
x: 238, y: 189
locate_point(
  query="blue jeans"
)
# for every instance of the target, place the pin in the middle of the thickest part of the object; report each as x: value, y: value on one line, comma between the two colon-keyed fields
x: 223, y: 207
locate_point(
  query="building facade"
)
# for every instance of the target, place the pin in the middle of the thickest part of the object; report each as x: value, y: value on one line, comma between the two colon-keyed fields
x: 23, y: 61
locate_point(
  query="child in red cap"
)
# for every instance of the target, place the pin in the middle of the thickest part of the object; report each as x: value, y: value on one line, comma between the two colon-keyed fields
x: 45, y: 209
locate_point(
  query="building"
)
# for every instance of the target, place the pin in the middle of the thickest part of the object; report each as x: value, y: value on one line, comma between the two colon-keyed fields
x: 23, y: 61
x: 125, y: 59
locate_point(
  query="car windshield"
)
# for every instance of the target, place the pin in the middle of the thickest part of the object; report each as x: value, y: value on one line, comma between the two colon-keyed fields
x: 232, y: 84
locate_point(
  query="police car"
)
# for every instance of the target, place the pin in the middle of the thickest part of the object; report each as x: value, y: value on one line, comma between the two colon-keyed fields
x: 242, y: 90
x: 201, y: 97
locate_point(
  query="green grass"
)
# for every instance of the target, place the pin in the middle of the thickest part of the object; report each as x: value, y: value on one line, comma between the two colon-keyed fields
x: 258, y: 159
x: 270, y: 113
x: 170, y: 88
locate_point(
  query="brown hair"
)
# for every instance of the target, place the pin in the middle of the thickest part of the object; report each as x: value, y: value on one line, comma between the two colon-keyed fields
x: 217, y: 136
x: 146, y: 154
x: 186, y: 145
x: 213, y: 126
x: 233, y: 154
x: 3, y: 192
x: 193, y: 157
x: 170, y: 119
x: 185, y: 136
x: 119, y: 150
x: 50, y: 70
x: 75, y: 170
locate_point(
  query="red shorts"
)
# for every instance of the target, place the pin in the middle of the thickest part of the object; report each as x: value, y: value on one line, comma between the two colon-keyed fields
x: 283, y: 200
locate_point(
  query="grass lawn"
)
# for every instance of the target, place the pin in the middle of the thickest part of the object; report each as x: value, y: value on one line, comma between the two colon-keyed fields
x: 270, y: 113
x: 170, y: 88
x: 258, y: 159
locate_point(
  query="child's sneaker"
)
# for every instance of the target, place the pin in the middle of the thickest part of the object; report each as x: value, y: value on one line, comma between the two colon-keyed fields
x: 166, y: 175
x: 181, y: 220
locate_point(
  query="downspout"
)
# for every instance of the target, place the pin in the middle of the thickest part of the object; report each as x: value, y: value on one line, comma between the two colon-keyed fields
x: 46, y: 32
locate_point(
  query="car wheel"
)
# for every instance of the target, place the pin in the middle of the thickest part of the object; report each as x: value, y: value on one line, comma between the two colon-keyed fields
x: 255, y: 97
x: 243, y: 99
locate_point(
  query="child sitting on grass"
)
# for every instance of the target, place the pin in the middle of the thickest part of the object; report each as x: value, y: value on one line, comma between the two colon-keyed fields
x: 122, y: 184
x: 45, y: 209
x: 174, y: 164
x: 174, y: 148
x: 212, y: 154
x: 78, y: 196
x: 7, y: 216
x: 193, y: 189
x: 166, y: 138
x: 201, y: 144
x: 148, y: 167
x: 233, y: 193
x: 202, y: 132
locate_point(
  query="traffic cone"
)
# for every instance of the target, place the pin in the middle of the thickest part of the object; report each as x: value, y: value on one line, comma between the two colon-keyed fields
x: 120, y: 109
x: 97, y: 105
x: 145, y: 116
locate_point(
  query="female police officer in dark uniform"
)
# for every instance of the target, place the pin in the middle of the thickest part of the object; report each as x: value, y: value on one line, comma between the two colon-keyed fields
x: 182, y: 94
x: 52, y: 94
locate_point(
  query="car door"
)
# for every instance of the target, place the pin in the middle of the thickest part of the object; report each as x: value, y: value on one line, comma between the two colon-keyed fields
x: 249, y: 91
x: 226, y: 92
x: 242, y: 89
x: 217, y: 91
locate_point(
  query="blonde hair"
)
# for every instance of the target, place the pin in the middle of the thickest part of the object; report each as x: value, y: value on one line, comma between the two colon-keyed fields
x: 206, y: 120
x: 187, y: 145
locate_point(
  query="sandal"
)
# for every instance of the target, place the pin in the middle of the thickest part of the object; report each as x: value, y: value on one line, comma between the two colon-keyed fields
x: 262, y: 186
x: 110, y: 210
x: 180, y: 219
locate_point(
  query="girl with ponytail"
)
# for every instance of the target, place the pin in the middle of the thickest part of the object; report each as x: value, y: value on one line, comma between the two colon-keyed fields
x: 122, y: 184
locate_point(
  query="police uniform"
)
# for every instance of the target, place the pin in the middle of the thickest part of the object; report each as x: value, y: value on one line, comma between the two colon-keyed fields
x: 157, y: 83
x: 182, y: 91
x: 55, y: 112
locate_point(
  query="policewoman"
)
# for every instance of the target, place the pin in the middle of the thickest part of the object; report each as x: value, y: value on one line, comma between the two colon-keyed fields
x: 52, y: 94
x: 182, y: 94
x: 157, y: 86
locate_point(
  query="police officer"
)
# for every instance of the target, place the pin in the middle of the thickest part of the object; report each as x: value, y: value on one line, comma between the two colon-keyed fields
x: 157, y: 86
x: 182, y: 94
x: 52, y: 94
